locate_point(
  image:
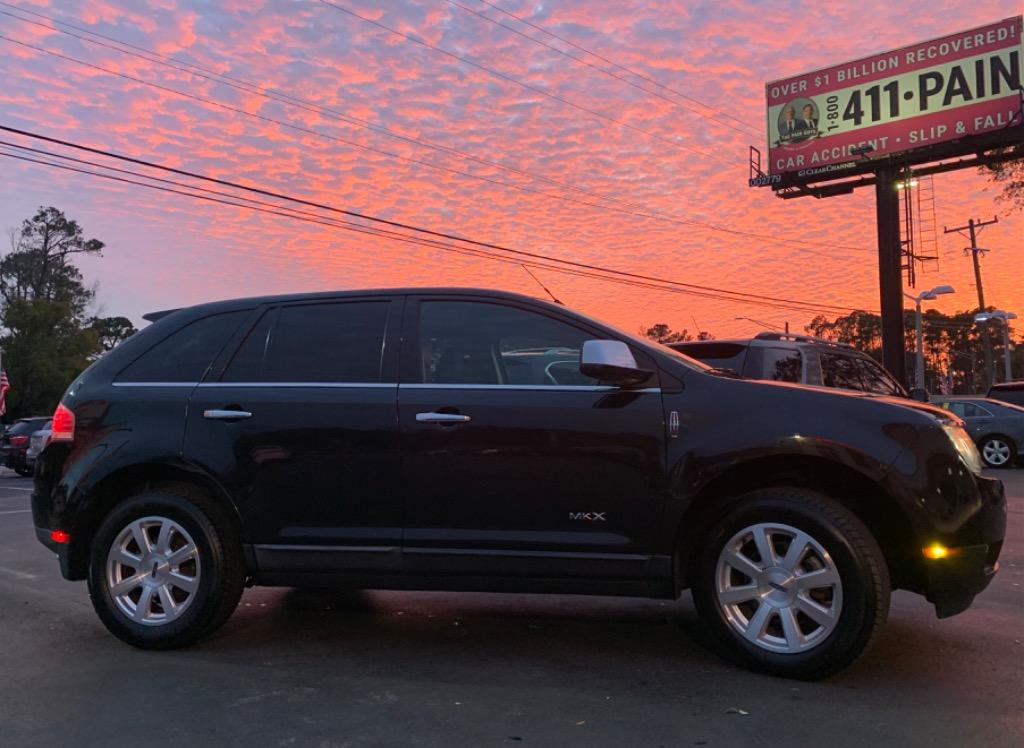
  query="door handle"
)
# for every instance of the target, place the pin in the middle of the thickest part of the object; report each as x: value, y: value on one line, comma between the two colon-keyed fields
x: 226, y: 415
x: 442, y: 418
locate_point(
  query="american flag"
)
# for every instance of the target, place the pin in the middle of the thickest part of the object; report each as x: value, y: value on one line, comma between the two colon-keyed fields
x: 5, y: 384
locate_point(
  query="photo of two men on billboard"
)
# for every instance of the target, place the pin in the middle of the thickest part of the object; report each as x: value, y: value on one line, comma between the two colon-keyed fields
x: 795, y: 129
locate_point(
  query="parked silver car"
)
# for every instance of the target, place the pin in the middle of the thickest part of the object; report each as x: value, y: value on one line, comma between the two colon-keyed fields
x: 803, y: 359
x: 36, y: 443
x: 996, y: 427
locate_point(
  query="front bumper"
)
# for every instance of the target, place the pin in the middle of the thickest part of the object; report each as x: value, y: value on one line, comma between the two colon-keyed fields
x: 953, y: 582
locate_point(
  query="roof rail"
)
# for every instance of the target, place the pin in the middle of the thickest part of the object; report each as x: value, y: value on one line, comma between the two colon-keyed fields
x: 799, y: 339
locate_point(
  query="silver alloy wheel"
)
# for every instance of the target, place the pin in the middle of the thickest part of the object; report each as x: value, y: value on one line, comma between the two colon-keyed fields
x: 778, y: 588
x: 996, y: 452
x: 153, y: 570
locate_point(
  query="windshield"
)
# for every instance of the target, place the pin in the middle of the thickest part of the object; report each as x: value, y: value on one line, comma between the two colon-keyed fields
x: 25, y: 427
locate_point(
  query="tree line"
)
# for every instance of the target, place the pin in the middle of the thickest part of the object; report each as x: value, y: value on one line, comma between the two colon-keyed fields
x: 954, y: 346
x: 49, y: 332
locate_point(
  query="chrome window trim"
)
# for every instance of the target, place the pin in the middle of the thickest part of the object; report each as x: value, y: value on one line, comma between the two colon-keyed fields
x: 155, y: 384
x: 256, y: 384
x: 526, y: 387
x: 390, y: 385
x: 335, y: 385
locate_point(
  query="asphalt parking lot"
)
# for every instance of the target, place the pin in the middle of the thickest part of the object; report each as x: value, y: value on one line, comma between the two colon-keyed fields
x: 297, y: 667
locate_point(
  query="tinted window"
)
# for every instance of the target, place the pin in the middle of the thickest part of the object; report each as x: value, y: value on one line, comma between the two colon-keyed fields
x: 464, y: 342
x: 341, y: 342
x: 968, y: 410
x: 840, y: 371
x: 185, y: 355
x: 247, y: 364
x: 877, y: 379
x: 783, y: 364
x: 720, y: 355
x: 1008, y: 394
x: 26, y: 427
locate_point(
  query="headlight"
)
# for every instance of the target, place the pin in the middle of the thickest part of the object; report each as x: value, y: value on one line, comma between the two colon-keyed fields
x: 964, y: 446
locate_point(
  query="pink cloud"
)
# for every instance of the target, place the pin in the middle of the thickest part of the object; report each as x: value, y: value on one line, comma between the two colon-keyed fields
x: 717, y: 53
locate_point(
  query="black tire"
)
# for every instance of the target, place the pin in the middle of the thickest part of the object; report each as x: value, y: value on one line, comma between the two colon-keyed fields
x: 24, y: 472
x: 991, y: 439
x: 854, y: 553
x: 219, y: 555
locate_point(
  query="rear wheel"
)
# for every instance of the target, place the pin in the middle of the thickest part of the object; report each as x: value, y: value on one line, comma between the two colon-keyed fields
x: 792, y: 583
x: 165, y: 569
x: 997, y: 451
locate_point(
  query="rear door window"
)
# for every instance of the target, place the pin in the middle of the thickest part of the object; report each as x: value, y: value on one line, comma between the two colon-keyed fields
x: 339, y: 342
x: 185, y: 355
x: 970, y: 410
x: 783, y: 364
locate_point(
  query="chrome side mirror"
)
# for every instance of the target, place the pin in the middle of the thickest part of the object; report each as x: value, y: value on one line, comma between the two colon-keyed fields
x: 611, y: 361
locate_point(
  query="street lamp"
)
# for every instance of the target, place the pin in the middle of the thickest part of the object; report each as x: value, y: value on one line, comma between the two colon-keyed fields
x: 763, y: 324
x: 923, y: 296
x: 1005, y: 317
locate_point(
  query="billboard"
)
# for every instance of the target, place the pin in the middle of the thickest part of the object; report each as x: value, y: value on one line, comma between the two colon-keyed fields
x: 822, y: 124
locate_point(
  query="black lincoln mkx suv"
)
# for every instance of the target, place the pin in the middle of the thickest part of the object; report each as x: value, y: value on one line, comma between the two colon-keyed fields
x: 477, y: 440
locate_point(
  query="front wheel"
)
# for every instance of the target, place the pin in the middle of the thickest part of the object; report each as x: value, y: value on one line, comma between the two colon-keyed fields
x: 165, y: 569
x: 792, y: 583
x: 997, y: 451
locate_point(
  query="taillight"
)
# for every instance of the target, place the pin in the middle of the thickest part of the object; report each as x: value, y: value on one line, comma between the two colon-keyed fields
x: 63, y: 427
x: 19, y: 441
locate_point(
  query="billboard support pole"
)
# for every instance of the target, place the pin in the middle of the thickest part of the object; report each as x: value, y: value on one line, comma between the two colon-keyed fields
x: 890, y: 275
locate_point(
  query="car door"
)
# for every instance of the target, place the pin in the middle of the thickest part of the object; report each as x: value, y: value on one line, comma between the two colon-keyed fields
x: 516, y: 464
x: 299, y: 425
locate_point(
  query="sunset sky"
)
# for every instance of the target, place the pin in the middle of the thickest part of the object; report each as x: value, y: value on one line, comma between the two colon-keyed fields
x: 551, y: 174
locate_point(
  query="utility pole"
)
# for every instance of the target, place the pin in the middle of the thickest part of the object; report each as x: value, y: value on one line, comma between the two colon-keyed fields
x: 973, y: 227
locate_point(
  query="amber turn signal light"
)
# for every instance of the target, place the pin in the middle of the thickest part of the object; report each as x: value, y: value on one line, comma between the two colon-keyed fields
x: 938, y: 551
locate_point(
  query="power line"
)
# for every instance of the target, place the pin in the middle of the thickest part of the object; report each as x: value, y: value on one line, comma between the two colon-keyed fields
x: 744, y: 131
x: 305, y: 130
x: 742, y: 295
x: 640, y: 212
x: 277, y: 210
x: 252, y: 88
x: 528, y: 86
x: 386, y: 234
x: 647, y: 78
